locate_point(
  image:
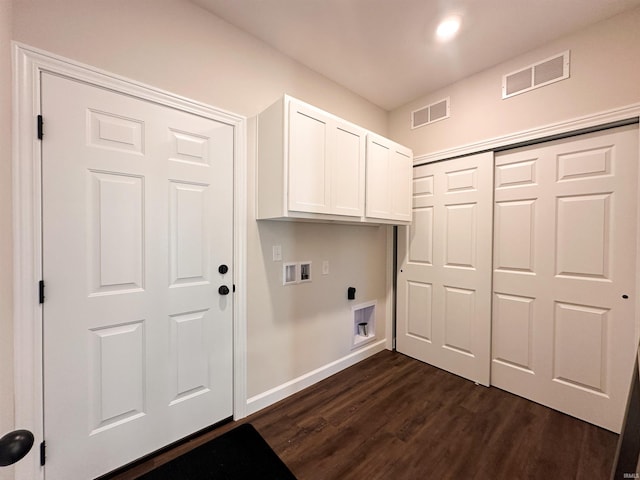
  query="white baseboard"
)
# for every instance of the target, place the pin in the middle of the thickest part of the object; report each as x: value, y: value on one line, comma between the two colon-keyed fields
x: 262, y: 400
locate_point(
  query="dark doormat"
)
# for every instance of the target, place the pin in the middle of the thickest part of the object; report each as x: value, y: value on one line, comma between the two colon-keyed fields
x: 239, y: 454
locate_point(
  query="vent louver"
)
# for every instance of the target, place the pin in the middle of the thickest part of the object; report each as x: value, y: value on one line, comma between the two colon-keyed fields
x: 537, y: 75
x: 431, y: 113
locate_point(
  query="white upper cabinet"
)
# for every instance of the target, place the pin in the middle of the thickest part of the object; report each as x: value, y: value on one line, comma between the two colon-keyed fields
x: 389, y: 180
x: 312, y: 164
x: 326, y: 163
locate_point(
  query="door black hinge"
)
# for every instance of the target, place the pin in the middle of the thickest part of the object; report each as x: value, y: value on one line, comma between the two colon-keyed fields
x: 41, y: 291
x: 43, y: 456
x: 40, y: 127
x: 234, y: 288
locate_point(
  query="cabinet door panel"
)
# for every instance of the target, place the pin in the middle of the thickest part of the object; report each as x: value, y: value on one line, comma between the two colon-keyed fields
x: 401, y: 174
x: 308, y: 160
x: 378, y: 203
x: 389, y: 176
x: 347, y: 172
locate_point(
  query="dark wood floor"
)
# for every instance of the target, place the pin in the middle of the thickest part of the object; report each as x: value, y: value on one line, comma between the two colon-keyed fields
x: 392, y: 417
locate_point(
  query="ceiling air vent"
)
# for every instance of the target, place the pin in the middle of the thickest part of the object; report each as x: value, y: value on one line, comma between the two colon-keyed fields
x: 537, y: 75
x: 431, y: 113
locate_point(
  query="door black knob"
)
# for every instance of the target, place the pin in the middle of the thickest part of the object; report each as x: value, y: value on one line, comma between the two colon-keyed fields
x: 223, y: 290
x: 223, y: 269
x: 14, y: 446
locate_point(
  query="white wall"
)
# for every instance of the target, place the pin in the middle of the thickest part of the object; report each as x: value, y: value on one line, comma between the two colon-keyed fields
x: 605, y: 74
x: 6, y: 271
x: 177, y: 46
x: 292, y: 328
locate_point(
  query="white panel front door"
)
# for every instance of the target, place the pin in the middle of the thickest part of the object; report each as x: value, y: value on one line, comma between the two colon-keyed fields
x: 137, y: 218
x: 564, y: 260
x: 444, y: 268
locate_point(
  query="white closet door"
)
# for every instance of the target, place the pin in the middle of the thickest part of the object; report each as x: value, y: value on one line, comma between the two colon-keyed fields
x: 137, y: 217
x: 444, y: 268
x: 564, y: 265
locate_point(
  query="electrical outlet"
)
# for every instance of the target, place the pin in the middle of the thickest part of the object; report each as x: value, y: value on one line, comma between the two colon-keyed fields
x: 325, y: 267
x: 277, y: 253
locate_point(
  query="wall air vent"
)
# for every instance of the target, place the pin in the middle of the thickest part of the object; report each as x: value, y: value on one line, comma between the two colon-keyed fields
x: 431, y: 113
x: 537, y: 75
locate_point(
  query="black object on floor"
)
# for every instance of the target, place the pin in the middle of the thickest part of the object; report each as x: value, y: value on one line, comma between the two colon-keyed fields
x: 239, y: 454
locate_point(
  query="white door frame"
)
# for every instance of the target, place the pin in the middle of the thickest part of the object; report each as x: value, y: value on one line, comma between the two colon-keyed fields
x: 28, y: 65
x: 574, y: 125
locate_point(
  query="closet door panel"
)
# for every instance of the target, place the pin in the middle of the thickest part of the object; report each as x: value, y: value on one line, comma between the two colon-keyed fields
x: 444, y: 268
x: 564, y: 261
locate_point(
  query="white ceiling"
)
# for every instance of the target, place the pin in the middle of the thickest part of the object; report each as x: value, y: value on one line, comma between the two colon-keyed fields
x: 385, y: 50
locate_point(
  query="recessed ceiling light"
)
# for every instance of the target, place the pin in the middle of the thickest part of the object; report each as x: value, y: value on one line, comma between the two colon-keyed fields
x: 448, y: 28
